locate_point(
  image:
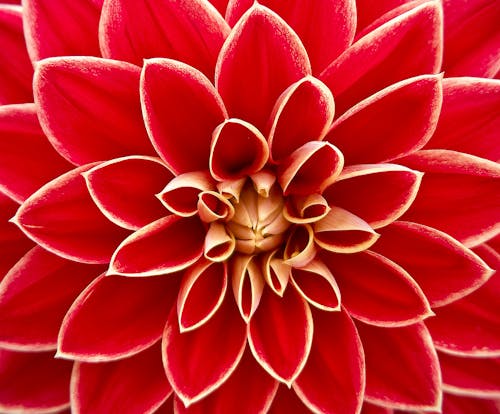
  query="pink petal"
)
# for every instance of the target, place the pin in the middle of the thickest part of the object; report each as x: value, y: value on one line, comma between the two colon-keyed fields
x: 132, y: 385
x: 456, y: 189
x: 389, y: 297
x: 16, y: 71
x: 470, y: 119
x: 378, y: 193
x: 402, y: 369
x: 363, y: 134
x: 188, y: 358
x: 286, y: 401
x: 55, y: 28
x: 33, y: 382
x: 62, y: 218
x: 425, y: 253
x: 406, y: 46
x: 280, y: 334
x: 102, y: 326
x: 31, y: 310
x: 172, y: 243
x: 333, y: 380
x: 455, y: 404
x: 89, y: 108
x: 261, y: 57
x: 125, y: 189
x: 23, y: 139
x: 191, y: 31
x: 471, y: 38
x: 181, y: 109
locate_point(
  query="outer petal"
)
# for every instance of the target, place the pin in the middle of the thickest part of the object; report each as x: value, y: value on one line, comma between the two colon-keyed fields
x: 286, y: 401
x: 191, y: 31
x: 364, y: 135
x: 89, y: 108
x: 454, y: 404
x: 406, y: 46
x: 33, y: 382
x: 259, y: 60
x: 63, y: 219
x: 375, y: 409
x: 132, y: 385
x: 102, y: 326
x: 402, y: 369
x: 333, y: 379
x: 181, y: 109
x: 368, y: 11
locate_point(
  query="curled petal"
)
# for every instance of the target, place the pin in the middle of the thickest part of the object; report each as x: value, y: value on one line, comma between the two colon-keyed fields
x: 263, y: 182
x: 231, y: 188
x: 306, y: 209
x: 300, y: 248
x: 276, y: 272
x: 213, y: 206
x: 220, y: 243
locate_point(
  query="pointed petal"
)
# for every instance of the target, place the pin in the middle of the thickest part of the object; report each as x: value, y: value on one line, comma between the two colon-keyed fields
x: 62, y: 218
x: 248, y: 284
x: 89, y: 108
x: 116, y: 317
x: 181, y: 109
x: 286, y: 401
x: 455, y: 404
x: 261, y: 57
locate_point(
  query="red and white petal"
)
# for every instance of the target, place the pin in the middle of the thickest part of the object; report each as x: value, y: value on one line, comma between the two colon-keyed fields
x: 459, y: 194
x: 300, y: 248
x: 442, y: 267
x: 136, y: 384
x: 31, y: 310
x: 303, y: 113
x: 286, y: 401
x: 375, y: 409
x: 364, y: 133
x: 55, y: 28
x: 470, y: 118
x: 333, y: 380
x: 368, y: 11
x: 62, y: 218
x: 33, y: 382
x: 190, y: 31
x: 280, y: 334
x: 455, y: 404
x: 471, y: 38
x: 220, y: 243
x: 402, y: 367
x: 376, y: 290
x: 406, y: 46
x: 377, y: 193
x: 165, y: 246
x: 181, y: 109
x: 220, y: 5
x: 125, y: 189
x: 188, y: 357
x: 103, y: 326
x: 27, y: 160
x: 276, y: 272
x: 247, y: 283
x: 306, y: 209
x: 16, y: 71
x: 213, y: 206
x: 90, y: 109
x: 260, y: 59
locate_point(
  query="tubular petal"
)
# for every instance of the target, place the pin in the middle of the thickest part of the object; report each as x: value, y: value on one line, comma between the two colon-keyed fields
x: 306, y: 209
x: 101, y: 326
x: 219, y: 243
x: 300, y: 248
x: 213, y: 206
x: 276, y: 272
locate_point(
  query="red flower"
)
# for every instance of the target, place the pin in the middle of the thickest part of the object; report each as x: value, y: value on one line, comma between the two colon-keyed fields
x: 292, y: 208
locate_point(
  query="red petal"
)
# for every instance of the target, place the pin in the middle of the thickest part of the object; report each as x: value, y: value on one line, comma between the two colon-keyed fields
x: 259, y: 60
x: 89, y: 108
x: 172, y: 243
x: 286, y: 401
x: 333, y: 379
x: 368, y: 11
x: 364, y: 135
x: 424, y: 253
x: 402, y: 369
x: 181, y: 109
x: 406, y: 46
x: 31, y: 310
x: 188, y: 357
x: 116, y: 317
x: 55, y: 28
x: 190, y: 31
x: 220, y: 5
x: 33, y: 382
x: 125, y: 190
x: 134, y: 384
x: 375, y: 409
x: 63, y: 219
x: 280, y: 334
x: 456, y: 189
x: 454, y: 404
x: 470, y: 119
x: 388, y: 297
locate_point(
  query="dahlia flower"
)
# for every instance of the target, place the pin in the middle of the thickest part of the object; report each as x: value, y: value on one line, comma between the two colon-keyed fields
x: 249, y: 206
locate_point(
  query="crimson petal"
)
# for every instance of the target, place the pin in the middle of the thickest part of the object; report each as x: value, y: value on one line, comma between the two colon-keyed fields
x: 455, y: 404
x: 368, y: 11
x: 286, y: 401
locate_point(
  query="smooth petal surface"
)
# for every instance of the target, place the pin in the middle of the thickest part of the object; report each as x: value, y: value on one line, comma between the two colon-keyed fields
x: 260, y: 59
x: 62, y: 218
x: 174, y: 94
x: 364, y: 135
x: 368, y: 11
x: 101, y: 326
x: 286, y: 401
x: 455, y: 404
